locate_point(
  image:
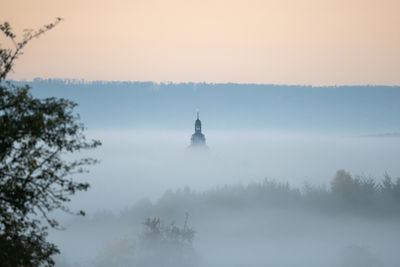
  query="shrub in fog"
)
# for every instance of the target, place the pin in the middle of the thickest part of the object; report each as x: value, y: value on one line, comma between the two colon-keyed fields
x: 158, y: 245
x: 166, y: 245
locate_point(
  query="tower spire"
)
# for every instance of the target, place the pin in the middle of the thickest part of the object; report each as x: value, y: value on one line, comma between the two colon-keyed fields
x: 198, y: 138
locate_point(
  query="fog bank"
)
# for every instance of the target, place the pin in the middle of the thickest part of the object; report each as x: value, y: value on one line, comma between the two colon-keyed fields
x: 145, y: 163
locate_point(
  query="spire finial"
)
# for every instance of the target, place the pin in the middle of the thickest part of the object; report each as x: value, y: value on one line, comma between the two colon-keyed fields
x: 198, y: 111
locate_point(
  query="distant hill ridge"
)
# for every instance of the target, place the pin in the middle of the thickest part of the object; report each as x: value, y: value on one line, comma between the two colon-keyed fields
x: 229, y: 106
x: 69, y: 81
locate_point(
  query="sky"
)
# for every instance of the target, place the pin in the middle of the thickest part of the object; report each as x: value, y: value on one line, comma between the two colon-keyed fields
x: 313, y: 42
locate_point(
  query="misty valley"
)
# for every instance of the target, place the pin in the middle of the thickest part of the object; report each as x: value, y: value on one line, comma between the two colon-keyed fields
x: 212, y: 133
x: 354, y: 222
x: 253, y: 197
x: 262, y: 175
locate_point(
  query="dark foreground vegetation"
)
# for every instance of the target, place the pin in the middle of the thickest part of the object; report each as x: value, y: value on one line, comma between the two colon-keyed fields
x: 35, y: 179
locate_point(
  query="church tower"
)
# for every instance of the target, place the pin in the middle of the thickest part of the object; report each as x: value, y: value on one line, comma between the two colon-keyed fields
x: 198, y: 139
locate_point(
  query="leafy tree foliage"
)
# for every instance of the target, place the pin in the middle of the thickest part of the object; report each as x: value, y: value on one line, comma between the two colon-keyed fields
x: 35, y: 135
x: 9, y: 55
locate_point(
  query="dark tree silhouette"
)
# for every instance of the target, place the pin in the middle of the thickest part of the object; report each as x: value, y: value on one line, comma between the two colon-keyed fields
x: 35, y: 179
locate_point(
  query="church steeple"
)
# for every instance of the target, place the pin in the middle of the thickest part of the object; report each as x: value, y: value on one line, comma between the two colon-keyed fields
x: 197, y: 124
x: 198, y: 139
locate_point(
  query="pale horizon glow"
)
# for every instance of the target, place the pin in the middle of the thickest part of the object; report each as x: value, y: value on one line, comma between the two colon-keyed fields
x: 324, y: 42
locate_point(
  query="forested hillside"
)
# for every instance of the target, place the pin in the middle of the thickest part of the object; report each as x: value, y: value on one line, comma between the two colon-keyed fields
x: 361, y: 109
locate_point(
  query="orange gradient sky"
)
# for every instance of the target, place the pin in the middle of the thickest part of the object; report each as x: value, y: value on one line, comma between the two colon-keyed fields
x: 316, y: 42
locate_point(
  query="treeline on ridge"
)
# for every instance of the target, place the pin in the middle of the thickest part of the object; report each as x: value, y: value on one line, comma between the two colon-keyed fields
x: 347, y: 194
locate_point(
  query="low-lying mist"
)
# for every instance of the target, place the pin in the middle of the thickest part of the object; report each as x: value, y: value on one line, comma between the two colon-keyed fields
x: 293, y: 218
x: 138, y: 164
